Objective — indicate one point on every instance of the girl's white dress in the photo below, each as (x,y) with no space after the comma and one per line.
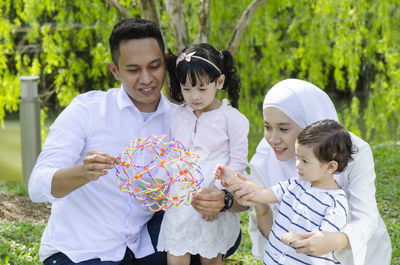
(218,136)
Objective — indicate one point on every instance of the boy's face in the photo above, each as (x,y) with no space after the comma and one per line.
(309,167)
(141,70)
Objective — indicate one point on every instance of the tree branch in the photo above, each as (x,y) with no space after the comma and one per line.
(178,22)
(148,9)
(203,31)
(241,26)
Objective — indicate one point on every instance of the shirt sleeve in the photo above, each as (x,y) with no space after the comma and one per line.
(238,129)
(281,188)
(62,149)
(360,175)
(336,215)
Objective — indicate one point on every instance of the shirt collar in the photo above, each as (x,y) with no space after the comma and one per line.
(124,101)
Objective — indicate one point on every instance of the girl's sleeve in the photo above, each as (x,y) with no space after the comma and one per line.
(360,176)
(238,129)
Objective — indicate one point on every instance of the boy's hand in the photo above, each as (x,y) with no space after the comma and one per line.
(226,175)
(290,238)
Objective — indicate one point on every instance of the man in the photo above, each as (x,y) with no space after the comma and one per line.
(92,221)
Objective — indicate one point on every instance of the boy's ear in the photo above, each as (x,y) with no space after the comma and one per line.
(332,166)
(113,69)
(220,81)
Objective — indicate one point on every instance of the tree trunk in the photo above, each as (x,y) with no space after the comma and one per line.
(122,10)
(178,23)
(241,26)
(203,31)
(148,9)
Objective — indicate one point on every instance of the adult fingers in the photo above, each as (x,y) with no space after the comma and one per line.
(96,164)
(99,157)
(241,176)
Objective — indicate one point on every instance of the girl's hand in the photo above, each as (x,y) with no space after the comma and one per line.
(318,243)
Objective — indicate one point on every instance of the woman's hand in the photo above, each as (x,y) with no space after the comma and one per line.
(243,190)
(209,202)
(318,243)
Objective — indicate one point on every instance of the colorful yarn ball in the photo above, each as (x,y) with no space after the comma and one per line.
(171,175)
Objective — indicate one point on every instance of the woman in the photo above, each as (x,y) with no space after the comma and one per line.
(288,108)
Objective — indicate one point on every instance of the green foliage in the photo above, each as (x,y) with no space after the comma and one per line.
(348,48)
(64,42)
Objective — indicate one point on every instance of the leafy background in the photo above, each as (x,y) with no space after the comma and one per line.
(349,48)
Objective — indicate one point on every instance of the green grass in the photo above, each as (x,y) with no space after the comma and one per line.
(10,153)
(19,242)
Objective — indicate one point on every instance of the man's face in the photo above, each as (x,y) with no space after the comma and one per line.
(141,70)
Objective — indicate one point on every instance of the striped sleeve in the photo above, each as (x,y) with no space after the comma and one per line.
(336,215)
(280,189)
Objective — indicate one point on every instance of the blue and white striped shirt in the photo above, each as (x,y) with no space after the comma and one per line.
(303,208)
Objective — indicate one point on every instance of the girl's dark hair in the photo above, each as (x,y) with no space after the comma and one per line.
(330,141)
(199,70)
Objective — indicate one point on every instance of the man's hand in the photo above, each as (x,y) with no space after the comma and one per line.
(96,163)
(209,202)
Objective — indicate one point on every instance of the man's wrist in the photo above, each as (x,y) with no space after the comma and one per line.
(228,201)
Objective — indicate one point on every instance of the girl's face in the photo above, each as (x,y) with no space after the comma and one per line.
(202,96)
(281,133)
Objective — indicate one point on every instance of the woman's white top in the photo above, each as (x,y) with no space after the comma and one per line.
(218,136)
(369,240)
(304,103)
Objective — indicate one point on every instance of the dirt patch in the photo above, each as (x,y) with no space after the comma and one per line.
(19,208)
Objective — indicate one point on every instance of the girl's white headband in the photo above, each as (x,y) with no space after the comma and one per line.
(188,57)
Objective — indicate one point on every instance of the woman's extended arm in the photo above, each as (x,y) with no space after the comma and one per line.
(264,218)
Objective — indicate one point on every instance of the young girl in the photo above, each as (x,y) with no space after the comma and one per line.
(215,131)
(312,202)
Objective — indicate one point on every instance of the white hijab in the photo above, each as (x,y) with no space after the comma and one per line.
(303,103)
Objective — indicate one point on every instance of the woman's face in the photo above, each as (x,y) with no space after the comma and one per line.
(280,132)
